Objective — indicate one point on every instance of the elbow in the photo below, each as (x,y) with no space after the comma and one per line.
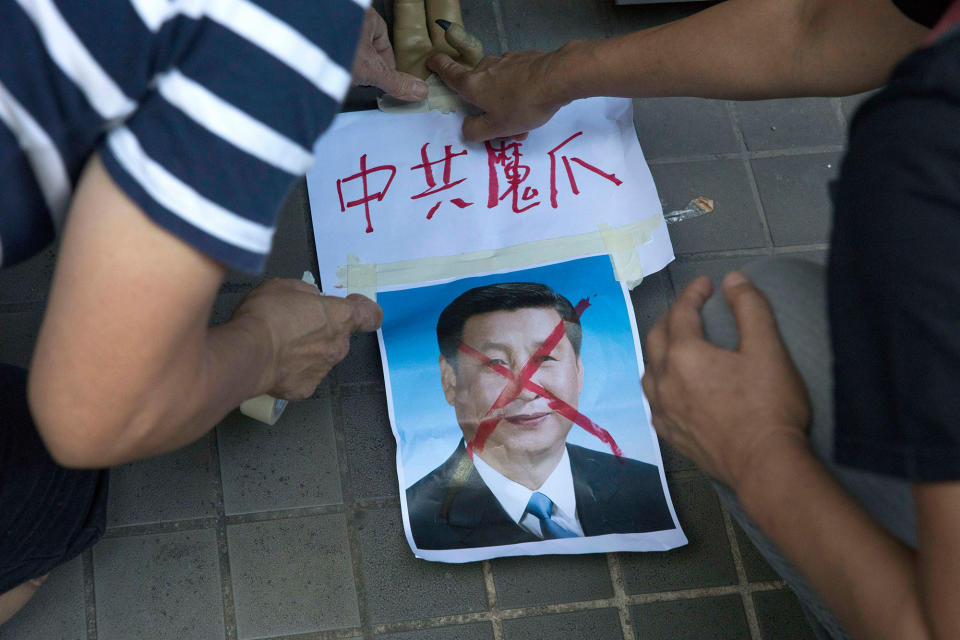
(78,434)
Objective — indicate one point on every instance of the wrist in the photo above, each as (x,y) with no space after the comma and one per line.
(568,71)
(783,448)
(249,339)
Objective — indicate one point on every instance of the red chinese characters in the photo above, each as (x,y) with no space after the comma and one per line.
(566,165)
(367,196)
(432,187)
(508,177)
(507,156)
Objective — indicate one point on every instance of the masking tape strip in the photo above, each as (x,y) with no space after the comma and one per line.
(619,242)
(264,408)
(622,250)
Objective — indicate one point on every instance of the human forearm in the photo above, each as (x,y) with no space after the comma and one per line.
(125,365)
(738,49)
(193,391)
(866,576)
(743,49)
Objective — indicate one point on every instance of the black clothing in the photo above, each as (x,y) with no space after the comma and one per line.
(926,13)
(48,514)
(452,508)
(894,274)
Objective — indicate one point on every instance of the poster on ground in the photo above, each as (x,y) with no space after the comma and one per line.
(511,358)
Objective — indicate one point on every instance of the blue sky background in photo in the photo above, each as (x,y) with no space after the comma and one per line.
(612,396)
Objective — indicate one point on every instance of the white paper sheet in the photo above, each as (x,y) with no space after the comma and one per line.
(582,169)
(388,189)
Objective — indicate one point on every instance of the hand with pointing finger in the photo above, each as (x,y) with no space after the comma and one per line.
(723,408)
(516,92)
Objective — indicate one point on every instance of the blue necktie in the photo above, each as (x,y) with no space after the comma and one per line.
(542,507)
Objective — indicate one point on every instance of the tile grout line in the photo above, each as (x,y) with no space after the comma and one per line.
(569,607)
(751,178)
(223,547)
(346,491)
(501,26)
(838,110)
(285,514)
(748,606)
(331,634)
(748,155)
(705,256)
(89,595)
(620,596)
(156,528)
(495,620)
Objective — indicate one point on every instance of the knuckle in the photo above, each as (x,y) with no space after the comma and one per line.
(685,356)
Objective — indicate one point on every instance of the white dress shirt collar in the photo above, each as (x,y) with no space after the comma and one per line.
(513,497)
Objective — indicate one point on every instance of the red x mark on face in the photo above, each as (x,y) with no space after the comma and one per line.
(517,383)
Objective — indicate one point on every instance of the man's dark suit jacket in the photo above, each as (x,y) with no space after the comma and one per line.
(452,508)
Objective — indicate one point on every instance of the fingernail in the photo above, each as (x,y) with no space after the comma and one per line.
(420,89)
(734,278)
(444,24)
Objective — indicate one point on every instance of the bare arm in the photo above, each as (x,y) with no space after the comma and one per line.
(738,49)
(125,365)
(876,586)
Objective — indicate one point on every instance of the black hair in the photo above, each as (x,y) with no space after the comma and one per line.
(507,296)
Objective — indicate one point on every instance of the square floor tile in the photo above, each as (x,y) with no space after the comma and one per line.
(734,222)
(536,580)
(789,123)
(476,631)
(292,253)
(290,464)
(650,300)
(719,618)
(18,335)
(754,564)
(596,624)
(676,127)
(525,22)
(56,611)
(780,616)
(480,20)
(400,587)
(794,193)
(370,446)
(174,486)
(292,576)
(158,587)
(623,18)
(705,562)
(672,459)
(362,364)
(683,272)
(28,281)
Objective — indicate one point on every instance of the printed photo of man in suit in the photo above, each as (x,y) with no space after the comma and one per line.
(514,380)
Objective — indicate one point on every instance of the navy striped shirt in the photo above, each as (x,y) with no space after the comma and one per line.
(203,111)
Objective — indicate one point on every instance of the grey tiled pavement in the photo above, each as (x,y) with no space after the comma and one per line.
(294,531)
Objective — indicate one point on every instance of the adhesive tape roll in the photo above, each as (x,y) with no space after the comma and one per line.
(266,409)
